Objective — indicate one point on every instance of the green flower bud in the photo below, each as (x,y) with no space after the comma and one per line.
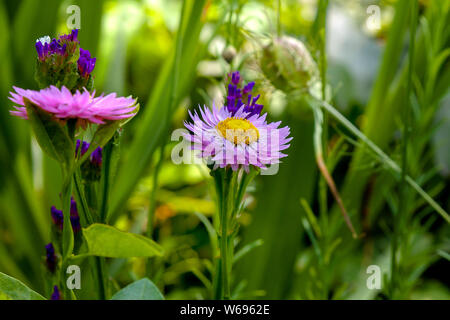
(288,65)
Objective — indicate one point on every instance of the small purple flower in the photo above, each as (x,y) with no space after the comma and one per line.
(86,63)
(51,258)
(96,157)
(84,147)
(56,294)
(46,47)
(73,36)
(58,217)
(74,217)
(238,97)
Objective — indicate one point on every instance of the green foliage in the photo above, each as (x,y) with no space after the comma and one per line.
(106,241)
(11,288)
(142,289)
(171,57)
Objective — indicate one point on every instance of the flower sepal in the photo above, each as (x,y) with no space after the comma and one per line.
(53,138)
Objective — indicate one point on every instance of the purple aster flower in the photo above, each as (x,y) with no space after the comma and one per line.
(86,64)
(51,259)
(83,106)
(237,96)
(237,138)
(56,294)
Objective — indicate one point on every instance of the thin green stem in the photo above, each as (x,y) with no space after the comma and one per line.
(99,266)
(105,181)
(400,218)
(279,19)
(224,218)
(152,205)
(86,217)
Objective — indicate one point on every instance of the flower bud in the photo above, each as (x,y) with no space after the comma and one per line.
(58,217)
(288,65)
(56,294)
(228,54)
(91,170)
(51,260)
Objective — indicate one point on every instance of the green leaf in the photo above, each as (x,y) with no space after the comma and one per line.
(142,289)
(51,136)
(107,241)
(11,288)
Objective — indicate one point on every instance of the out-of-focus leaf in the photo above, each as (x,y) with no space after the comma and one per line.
(142,289)
(275,219)
(156,115)
(14,289)
(107,241)
(91,22)
(33,20)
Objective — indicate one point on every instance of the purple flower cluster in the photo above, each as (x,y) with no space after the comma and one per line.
(238,96)
(51,259)
(96,156)
(58,217)
(63,46)
(46,47)
(86,63)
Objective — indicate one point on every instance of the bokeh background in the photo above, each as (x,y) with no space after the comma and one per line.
(300,246)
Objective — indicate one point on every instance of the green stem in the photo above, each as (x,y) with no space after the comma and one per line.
(86,217)
(224,217)
(152,206)
(106,168)
(100,268)
(279,19)
(401,215)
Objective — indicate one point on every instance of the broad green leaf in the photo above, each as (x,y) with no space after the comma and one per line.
(142,289)
(107,241)
(51,136)
(13,289)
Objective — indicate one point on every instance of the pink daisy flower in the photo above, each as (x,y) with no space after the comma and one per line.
(237,138)
(83,106)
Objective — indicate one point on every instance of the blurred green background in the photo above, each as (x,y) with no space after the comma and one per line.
(300,250)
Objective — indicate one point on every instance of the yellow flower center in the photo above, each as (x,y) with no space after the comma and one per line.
(238,130)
